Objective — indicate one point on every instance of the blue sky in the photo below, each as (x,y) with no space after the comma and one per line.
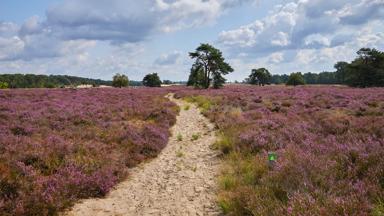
(98,38)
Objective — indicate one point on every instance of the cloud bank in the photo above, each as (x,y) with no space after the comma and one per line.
(99,38)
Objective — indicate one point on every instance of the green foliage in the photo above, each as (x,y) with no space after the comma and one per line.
(296,79)
(49,85)
(341,71)
(196,77)
(227,182)
(259,76)
(3,85)
(120,80)
(195,137)
(279,79)
(152,80)
(225,205)
(209,66)
(202,102)
(321,78)
(367,70)
(44,81)
(310,78)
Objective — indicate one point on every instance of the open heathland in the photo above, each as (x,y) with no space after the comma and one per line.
(58,146)
(329,143)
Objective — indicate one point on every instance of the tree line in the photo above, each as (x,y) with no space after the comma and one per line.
(45,81)
(58,81)
(367,70)
(51,81)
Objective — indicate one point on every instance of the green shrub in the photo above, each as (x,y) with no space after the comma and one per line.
(3,85)
(296,79)
(120,80)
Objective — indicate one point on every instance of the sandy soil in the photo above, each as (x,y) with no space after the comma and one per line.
(180,181)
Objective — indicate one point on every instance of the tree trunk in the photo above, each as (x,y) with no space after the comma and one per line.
(206,76)
(208,81)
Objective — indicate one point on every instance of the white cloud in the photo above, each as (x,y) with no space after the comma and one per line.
(280,39)
(169,58)
(303,24)
(10,47)
(362,12)
(317,40)
(244,36)
(276,57)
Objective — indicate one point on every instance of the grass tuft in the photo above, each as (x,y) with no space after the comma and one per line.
(187,107)
(179,137)
(195,137)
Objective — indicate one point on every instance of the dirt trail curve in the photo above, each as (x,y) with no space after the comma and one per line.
(180,181)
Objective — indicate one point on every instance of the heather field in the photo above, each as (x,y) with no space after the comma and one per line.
(328,141)
(58,146)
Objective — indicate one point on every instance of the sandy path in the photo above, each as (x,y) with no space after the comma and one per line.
(180,181)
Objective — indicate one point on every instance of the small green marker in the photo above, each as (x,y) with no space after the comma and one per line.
(272,156)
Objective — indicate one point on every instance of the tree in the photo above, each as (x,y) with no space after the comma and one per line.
(296,79)
(3,85)
(279,79)
(260,76)
(196,77)
(367,70)
(341,71)
(209,66)
(152,80)
(120,80)
(327,78)
(311,78)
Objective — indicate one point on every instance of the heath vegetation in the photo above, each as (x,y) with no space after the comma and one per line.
(58,146)
(328,141)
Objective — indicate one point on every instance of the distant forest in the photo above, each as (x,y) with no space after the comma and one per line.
(310,78)
(367,70)
(52,81)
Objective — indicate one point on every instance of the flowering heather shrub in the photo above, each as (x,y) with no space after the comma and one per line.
(329,142)
(58,146)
